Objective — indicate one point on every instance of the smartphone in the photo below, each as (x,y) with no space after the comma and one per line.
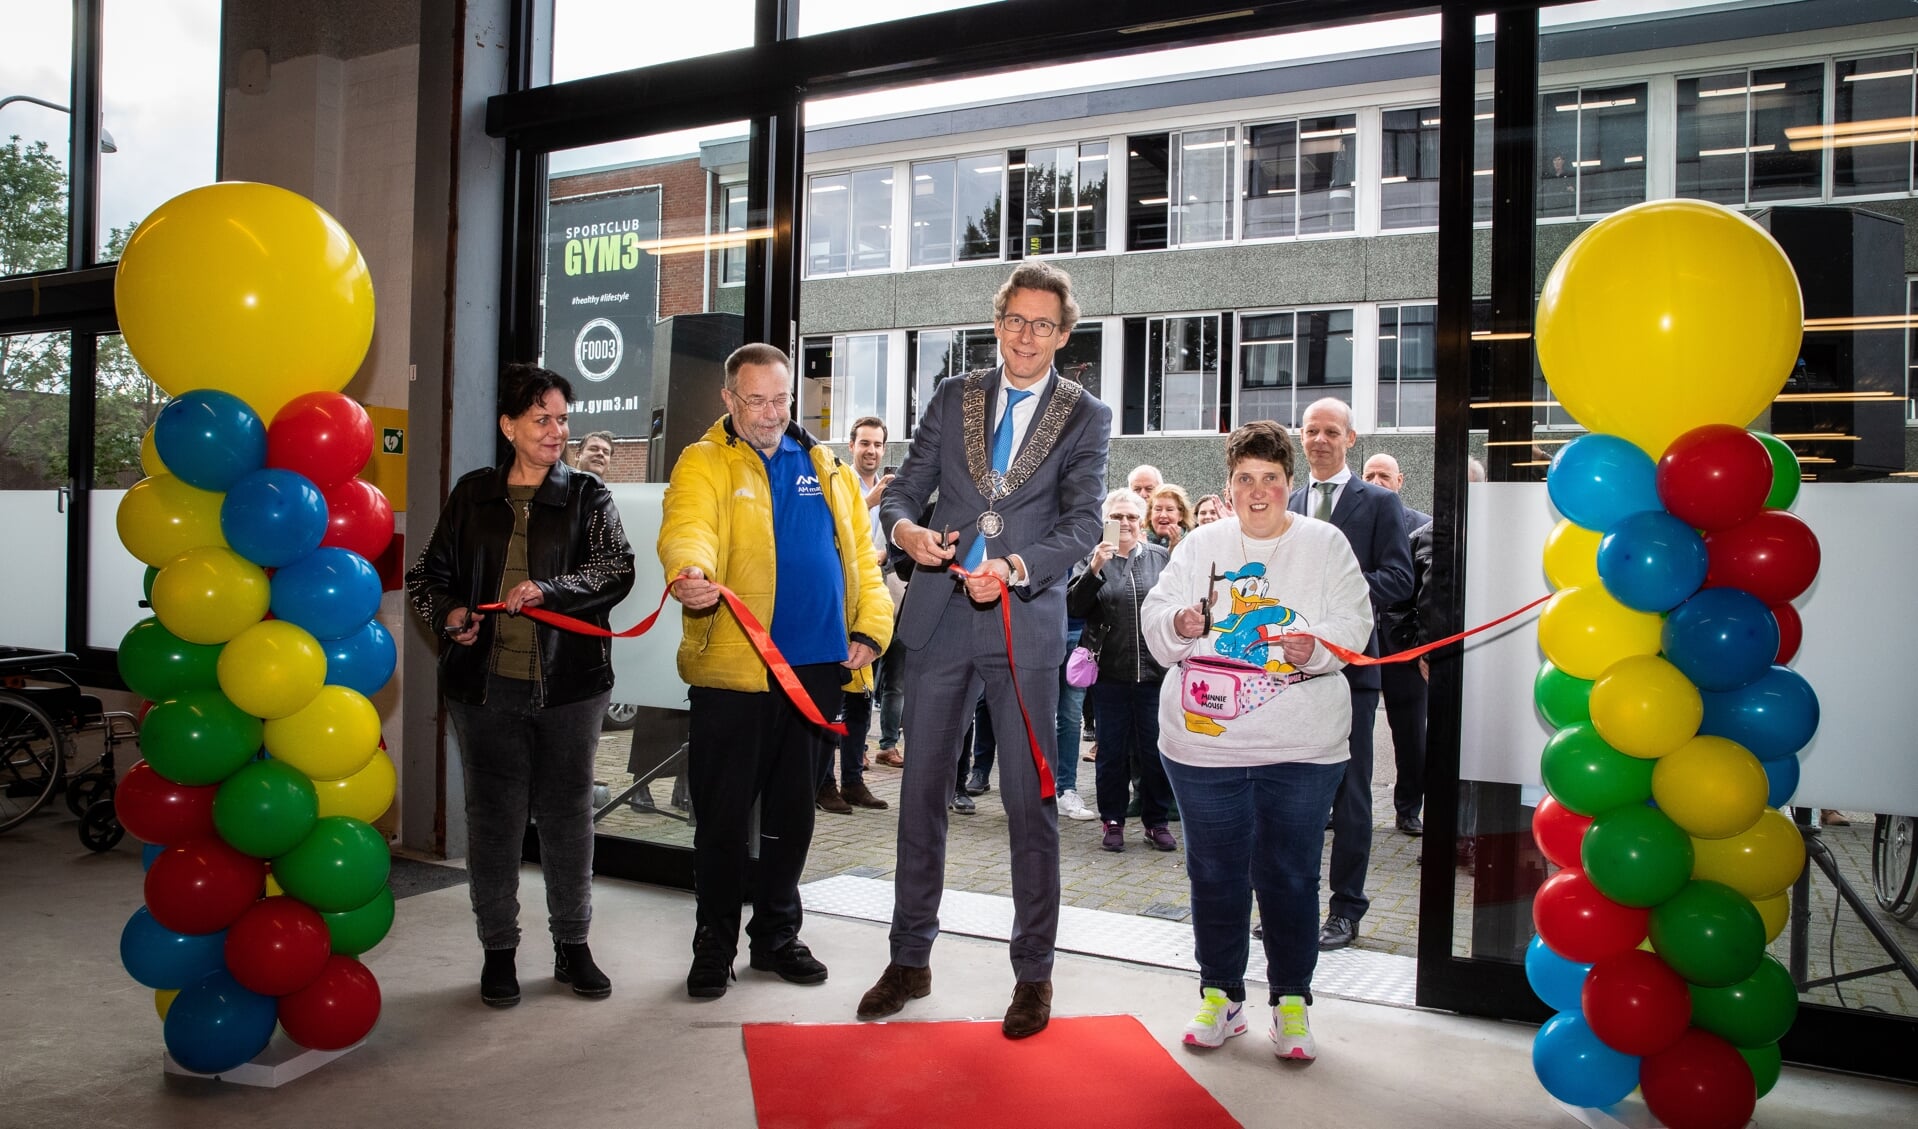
(1112,531)
(890,470)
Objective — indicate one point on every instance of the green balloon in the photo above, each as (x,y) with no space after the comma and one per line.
(199,737)
(1785,474)
(1588,776)
(340,865)
(1709,933)
(1755,1012)
(1765,1062)
(146,584)
(157,664)
(265,808)
(1562,699)
(356,930)
(1636,855)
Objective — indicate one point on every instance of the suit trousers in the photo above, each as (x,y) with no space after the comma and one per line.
(968,661)
(1404,692)
(1352,815)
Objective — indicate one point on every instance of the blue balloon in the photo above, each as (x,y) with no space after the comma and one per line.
(210,439)
(273,517)
(1597,480)
(1774,717)
(1721,639)
(362,661)
(215,1025)
(160,958)
(149,852)
(1782,773)
(1573,1065)
(1557,980)
(330,592)
(1651,561)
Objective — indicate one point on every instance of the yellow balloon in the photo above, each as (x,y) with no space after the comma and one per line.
(1711,787)
(332,738)
(272,669)
(1760,862)
(365,795)
(1645,707)
(150,455)
(162,517)
(1571,555)
(273,889)
(1584,631)
(1666,316)
(209,594)
(1776,911)
(246,288)
(163,999)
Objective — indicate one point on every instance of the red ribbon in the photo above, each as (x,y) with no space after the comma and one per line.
(1046,787)
(761,639)
(1269,634)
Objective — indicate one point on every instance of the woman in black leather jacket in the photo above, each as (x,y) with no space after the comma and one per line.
(526,700)
(1125,699)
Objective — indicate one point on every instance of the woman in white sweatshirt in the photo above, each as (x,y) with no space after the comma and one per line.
(1252,730)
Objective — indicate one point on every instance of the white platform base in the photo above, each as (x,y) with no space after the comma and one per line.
(1628,1114)
(281,1062)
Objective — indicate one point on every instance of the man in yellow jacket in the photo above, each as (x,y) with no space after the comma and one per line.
(758,506)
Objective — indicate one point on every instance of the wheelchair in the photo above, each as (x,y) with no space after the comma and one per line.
(44,715)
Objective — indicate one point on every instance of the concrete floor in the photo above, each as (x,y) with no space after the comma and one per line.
(80,1045)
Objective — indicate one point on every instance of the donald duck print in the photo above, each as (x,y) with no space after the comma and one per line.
(1246,673)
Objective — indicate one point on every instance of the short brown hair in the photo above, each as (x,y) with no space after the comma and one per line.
(867,421)
(1261,439)
(1179,498)
(1037,275)
(757,353)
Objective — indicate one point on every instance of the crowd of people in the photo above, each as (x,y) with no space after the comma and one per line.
(1194,630)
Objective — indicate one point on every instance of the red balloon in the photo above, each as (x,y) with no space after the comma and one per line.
(1774,556)
(1559,832)
(1581,924)
(1791,632)
(154,809)
(358,517)
(1701,1082)
(326,436)
(203,886)
(336,1010)
(278,946)
(1715,476)
(1633,1002)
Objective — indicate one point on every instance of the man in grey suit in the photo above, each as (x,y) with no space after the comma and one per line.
(1402,685)
(1370,519)
(1016,456)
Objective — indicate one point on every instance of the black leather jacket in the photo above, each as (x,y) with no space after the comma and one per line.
(576,552)
(1109,600)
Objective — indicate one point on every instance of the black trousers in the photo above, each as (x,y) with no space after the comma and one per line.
(1404,693)
(744,747)
(1352,815)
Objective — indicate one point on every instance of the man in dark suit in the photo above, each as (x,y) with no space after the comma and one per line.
(1401,684)
(1016,456)
(1370,519)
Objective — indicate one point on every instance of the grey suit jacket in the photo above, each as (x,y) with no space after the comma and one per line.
(1052,517)
(1368,515)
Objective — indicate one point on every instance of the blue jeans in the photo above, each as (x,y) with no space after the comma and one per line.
(984,745)
(889,686)
(1128,716)
(1072,700)
(1255,830)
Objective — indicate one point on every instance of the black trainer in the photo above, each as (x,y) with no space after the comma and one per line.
(712,967)
(499,983)
(792,962)
(573,964)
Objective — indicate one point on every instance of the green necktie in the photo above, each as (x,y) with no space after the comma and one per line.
(1324,511)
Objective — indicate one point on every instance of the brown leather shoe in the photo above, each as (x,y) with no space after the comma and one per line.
(830,800)
(1031,1009)
(891,758)
(896,985)
(860,796)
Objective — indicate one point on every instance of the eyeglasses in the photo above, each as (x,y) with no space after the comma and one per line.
(1123,517)
(1015,325)
(761,403)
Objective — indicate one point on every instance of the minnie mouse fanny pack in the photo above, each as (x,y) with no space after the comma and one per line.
(1223,689)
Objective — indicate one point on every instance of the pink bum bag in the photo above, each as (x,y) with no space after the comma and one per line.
(1222,689)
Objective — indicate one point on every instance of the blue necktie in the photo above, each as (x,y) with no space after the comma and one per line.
(1001,459)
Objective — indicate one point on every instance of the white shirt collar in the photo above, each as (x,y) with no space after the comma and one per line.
(1340,479)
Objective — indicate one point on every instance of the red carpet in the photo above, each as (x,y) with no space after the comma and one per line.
(969,1076)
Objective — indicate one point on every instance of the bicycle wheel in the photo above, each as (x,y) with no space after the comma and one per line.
(32,755)
(1894,864)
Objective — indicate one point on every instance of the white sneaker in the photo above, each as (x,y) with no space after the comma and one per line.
(1072,807)
(1218,1020)
(1291,1033)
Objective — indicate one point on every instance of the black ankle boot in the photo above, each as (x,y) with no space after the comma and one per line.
(573,964)
(712,967)
(499,984)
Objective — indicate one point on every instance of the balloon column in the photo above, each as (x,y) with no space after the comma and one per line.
(263,763)
(1664,330)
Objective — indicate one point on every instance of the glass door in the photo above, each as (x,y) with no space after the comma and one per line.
(36,376)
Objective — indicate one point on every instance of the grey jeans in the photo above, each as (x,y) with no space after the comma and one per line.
(520,761)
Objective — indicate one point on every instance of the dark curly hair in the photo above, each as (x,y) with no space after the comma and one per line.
(1260,439)
(522,384)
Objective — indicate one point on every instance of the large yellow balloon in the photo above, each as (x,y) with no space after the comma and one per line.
(1645,707)
(1775,911)
(163,999)
(1584,631)
(209,594)
(162,517)
(1571,555)
(272,669)
(1759,862)
(331,739)
(1711,787)
(246,288)
(1666,316)
(150,462)
(365,795)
